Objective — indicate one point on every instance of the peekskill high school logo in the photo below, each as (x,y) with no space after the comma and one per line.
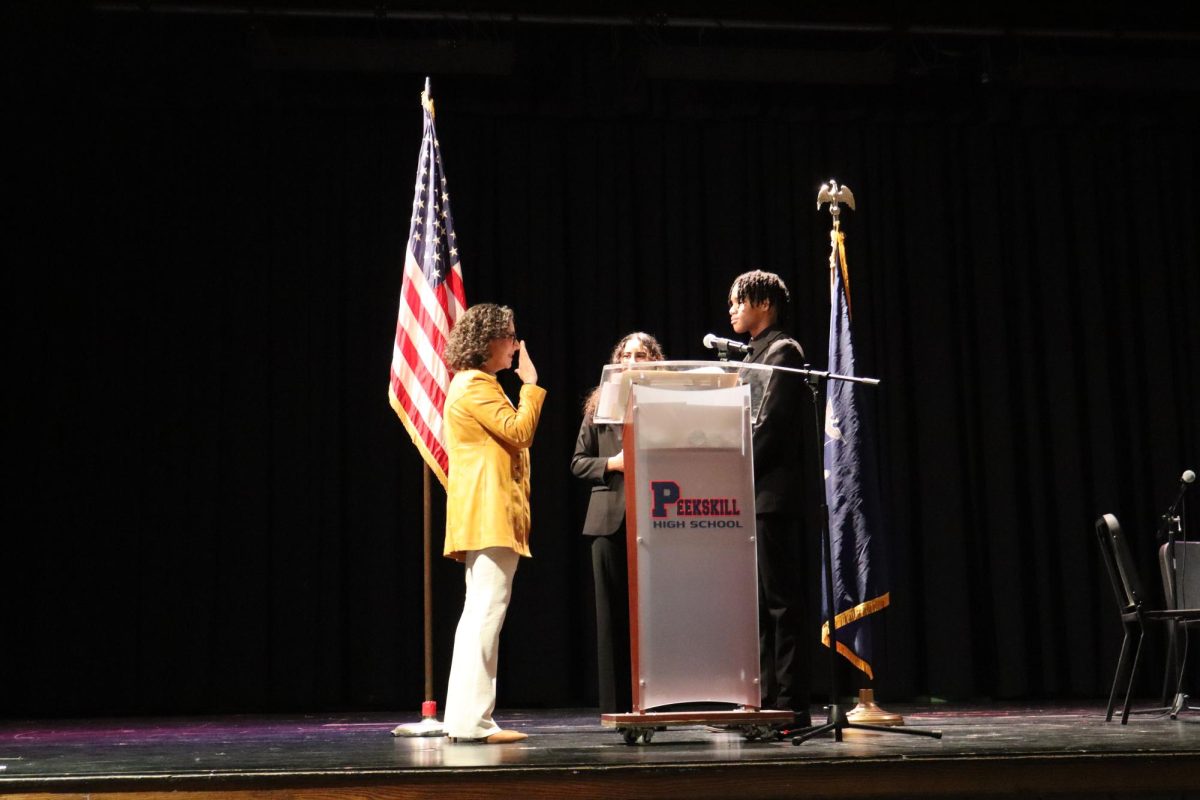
(670,507)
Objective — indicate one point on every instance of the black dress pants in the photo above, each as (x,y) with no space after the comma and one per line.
(611,577)
(785,651)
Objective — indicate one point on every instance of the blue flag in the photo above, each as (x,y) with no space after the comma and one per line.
(851,488)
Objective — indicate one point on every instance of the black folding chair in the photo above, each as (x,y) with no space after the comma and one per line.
(1134,614)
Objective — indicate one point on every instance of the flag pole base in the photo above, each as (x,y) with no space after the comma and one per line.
(867,711)
(428,726)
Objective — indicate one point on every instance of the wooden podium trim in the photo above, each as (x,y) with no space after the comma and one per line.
(631,551)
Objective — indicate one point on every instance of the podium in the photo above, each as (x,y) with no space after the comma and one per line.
(690,533)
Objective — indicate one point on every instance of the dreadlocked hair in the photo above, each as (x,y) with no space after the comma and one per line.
(758,286)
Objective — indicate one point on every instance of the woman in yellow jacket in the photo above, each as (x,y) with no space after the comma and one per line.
(487,505)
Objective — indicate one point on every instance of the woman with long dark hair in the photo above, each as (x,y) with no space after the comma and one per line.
(600,460)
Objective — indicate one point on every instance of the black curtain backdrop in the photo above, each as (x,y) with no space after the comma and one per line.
(210,505)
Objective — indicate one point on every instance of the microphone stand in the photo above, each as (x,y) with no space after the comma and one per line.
(837,720)
(1171,523)
(1170,518)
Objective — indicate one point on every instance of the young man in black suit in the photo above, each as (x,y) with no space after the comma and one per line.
(758,304)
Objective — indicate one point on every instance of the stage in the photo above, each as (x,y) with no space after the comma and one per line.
(985,750)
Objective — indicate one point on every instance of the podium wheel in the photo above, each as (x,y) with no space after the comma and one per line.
(757,733)
(637,735)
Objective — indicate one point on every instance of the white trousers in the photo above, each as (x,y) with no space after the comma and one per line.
(471,694)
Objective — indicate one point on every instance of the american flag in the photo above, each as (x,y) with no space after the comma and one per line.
(431,299)
(856,527)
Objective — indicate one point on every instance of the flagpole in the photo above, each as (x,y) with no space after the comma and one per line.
(429,724)
(429,721)
(867,710)
(429,706)
(838,720)
(432,263)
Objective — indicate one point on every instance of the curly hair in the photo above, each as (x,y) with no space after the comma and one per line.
(757,287)
(479,325)
(653,348)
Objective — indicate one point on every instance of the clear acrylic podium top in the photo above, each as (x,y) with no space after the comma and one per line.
(616,379)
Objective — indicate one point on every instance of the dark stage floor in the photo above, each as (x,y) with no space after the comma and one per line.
(995,751)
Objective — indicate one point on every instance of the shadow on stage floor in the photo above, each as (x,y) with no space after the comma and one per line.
(986,751)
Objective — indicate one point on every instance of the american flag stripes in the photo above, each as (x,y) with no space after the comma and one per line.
(431,299)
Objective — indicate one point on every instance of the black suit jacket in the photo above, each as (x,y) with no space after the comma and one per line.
(606,506)
(778,437)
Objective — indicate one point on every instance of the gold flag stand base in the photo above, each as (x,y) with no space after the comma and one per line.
(868,713)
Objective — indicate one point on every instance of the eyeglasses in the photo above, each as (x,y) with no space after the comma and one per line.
(512,337)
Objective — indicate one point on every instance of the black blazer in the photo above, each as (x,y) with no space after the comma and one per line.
(606,506)
(778,433)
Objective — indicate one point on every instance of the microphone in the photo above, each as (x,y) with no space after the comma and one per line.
(1185,480)
(711,341)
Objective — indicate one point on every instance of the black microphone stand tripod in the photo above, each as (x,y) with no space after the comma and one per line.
(837,720)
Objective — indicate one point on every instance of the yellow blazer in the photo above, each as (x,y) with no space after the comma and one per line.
(487,493)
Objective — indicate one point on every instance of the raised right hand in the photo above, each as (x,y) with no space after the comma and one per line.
(525,370)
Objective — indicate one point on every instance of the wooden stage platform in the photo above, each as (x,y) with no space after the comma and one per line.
(985,752)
